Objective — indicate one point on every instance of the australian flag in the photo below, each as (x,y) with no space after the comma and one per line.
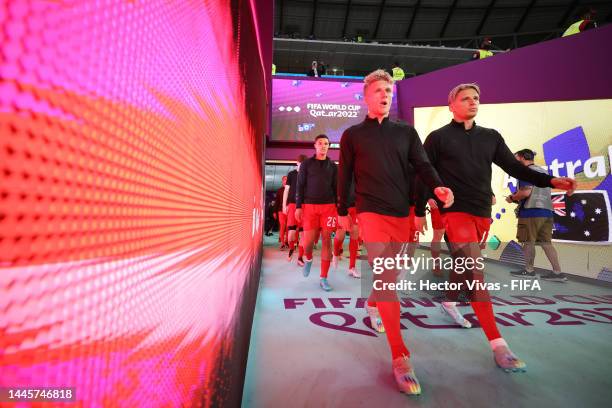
(584,216)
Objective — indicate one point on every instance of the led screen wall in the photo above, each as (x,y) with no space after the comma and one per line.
(130,198)
(303,109)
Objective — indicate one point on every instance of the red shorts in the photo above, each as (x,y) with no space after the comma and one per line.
(291,221)
(384,237)
(436,219)
(384,228)
(464,228)
(315,216)
(414,235)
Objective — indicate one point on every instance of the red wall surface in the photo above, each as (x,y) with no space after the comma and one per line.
(130,197)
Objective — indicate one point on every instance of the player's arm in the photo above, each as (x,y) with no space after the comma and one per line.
(345,173)
(285,196)
(302,179)
(334,182)
(420,161)
(345,177)
(427,173)
(506,160)
(301,184)
(420,186)
(420,197)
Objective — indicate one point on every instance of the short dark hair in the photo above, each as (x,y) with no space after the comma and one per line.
(321,136)
(526,154)
(301,158)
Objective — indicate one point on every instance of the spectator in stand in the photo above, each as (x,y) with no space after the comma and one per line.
(397,72)
(484,51)
(314,70)
(585,22)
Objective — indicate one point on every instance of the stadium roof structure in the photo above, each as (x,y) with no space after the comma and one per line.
(422,35)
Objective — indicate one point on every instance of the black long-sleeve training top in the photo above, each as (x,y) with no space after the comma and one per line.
(463,160)
(418,196)
(316,182)
(350,201)
(382,157)
(292,183)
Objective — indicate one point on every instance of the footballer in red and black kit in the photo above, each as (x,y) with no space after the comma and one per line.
(463,153)
(316,205)
(293,225)
(380,155)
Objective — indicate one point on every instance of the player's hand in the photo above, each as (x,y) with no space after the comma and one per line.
(509,199)
(344,222)
(274,215)
(445,195)
(493,200)
(564,183)
(420,224)
(433,204)
(298,214)
(285,209)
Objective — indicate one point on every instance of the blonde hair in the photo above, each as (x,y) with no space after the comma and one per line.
(453,93)
(378,75)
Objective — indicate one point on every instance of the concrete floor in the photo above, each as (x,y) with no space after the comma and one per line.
(318,352)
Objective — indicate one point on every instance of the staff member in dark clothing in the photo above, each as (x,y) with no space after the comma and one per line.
(289,204)
(314,70)
(270,218)
(463,153)
(380,155)
(316,205)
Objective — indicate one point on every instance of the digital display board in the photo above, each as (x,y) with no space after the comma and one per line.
(304,108)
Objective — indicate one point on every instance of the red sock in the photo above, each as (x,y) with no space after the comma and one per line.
(353,247)
(484,312)
(291,245)
(325,268)
(301,251)
(337,247)
(308,253)
(390,315)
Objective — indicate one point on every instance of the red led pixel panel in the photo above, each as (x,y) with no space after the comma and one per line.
(130,196)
